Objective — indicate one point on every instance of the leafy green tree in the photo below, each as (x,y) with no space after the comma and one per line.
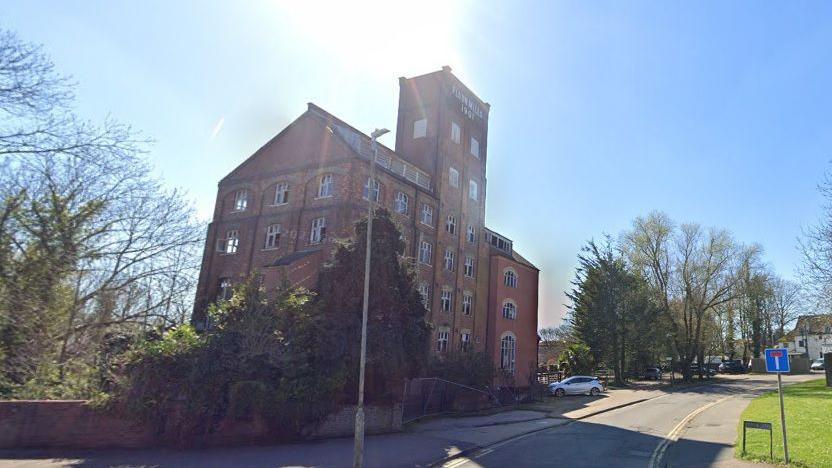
(612,311)
(288,356)
(397,331)
(90,242)
(467,368)
(577,360)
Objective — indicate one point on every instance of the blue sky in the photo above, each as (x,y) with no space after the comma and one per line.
(714,112)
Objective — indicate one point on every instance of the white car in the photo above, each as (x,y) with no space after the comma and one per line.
(577,384)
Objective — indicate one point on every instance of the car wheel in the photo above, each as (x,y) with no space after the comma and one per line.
(593,391)
(560,392)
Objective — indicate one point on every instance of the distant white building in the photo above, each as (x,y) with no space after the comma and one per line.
(812,336)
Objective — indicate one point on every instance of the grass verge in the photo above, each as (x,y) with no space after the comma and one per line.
(808,426)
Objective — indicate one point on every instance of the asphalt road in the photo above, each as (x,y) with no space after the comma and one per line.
(692,428)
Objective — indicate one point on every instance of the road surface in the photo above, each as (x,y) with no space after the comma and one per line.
(692,428)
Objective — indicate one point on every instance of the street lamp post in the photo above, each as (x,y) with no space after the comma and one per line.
(358,451)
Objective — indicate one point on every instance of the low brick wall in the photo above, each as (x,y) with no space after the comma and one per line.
(67,424)
(75,425)
(377,420)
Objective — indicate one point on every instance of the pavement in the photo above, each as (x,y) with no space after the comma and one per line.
(624,427)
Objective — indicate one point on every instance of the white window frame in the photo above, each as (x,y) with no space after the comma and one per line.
(450,224)
(425,252)
(225,290)
(453,177)
(471,234)
(508,353)
(241,200)
(469,266)
(424,290)
(475,147)
(442,338)
(420,128)
(446,300)
(510,278)
(325,186)
(281,194)
(467,303)
(450,258)
(427,215)
(456,132)
(473,190)
(229,244)
(376,189)
(317,233)
(510,309)
(465,340)
(272,237)
(401,203)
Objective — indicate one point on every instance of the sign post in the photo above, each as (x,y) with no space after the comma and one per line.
(759,425)
(777,361)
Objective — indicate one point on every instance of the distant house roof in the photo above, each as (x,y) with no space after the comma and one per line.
(811,325)
(293,257)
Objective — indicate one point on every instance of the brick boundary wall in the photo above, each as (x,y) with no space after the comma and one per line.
(72,424)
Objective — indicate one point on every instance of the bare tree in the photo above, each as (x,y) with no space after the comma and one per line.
(816,247)
(90,241)
(692,271)
(786,301)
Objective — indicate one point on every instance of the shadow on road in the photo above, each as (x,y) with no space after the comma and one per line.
(585,444)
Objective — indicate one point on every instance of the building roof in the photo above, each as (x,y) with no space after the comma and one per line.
(361,143)
(522,260)
(509,251)
(293,257)
(810,325)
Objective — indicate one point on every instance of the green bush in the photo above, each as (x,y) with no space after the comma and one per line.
(469,368)
(289,357)
(247,398)
(577,360)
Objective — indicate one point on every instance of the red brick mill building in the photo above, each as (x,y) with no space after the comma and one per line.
(280,211)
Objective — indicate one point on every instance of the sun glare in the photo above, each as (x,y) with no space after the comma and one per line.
(389,38)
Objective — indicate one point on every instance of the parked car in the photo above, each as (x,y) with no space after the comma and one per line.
(651,373)
(817,364)
(707,372)
(732,367)
(575,385)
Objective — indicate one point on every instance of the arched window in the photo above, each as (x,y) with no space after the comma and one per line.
(509,309)
(508,353)
(401,203)
(510,278)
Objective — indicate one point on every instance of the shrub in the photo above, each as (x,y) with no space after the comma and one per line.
(577,360)
(246,398)
(475,369)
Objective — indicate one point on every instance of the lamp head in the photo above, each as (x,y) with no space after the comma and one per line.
(379,132)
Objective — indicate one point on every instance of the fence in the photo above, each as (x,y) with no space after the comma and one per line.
(427,396)
(547,377)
